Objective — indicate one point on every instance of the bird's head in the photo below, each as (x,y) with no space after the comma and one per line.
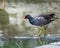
(27,16)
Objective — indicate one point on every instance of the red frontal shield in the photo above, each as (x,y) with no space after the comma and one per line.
(24,17)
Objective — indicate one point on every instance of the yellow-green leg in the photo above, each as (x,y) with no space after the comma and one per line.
(42,31)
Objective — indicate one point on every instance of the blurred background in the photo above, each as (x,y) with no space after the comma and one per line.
(14,11)
(12,22)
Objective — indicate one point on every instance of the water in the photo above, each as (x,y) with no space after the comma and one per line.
(23,43)
(1,43)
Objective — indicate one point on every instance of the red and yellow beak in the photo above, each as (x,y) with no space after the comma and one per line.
(24,18)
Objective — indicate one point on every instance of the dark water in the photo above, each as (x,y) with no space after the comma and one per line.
(25,43)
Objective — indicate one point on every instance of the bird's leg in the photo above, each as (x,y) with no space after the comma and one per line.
(42,31)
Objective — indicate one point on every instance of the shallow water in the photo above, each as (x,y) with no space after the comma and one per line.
(23,43)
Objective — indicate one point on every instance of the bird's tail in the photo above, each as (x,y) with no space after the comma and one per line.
(52,15)
(52,19)
(49,16)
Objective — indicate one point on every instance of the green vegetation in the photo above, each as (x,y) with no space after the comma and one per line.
(4,18)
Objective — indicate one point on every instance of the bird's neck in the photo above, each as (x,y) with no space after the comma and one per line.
(30,17)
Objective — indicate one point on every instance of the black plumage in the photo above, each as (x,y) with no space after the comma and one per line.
(41,20)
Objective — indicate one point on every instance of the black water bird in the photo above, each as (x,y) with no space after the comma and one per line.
(41,20)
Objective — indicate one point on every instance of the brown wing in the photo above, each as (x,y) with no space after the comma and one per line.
(47,16)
